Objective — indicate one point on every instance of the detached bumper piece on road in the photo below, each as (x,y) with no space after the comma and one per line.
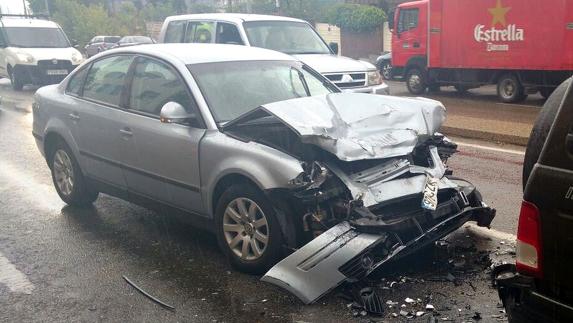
(353,249)
(525,302)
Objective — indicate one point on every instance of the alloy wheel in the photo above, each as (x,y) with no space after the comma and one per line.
(246,229)
(63,172)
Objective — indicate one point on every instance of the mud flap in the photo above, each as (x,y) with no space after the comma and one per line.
(313,270)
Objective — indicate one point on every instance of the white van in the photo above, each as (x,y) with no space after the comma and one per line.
(288,35)
(35,51)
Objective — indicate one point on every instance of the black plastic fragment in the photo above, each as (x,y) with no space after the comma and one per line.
(164,305)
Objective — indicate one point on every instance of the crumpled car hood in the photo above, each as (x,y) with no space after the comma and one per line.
(355,126)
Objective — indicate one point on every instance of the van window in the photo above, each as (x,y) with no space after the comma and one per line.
(36,37)
(106,79)
(228,34)
(175,31)
(200,32)
(408,19)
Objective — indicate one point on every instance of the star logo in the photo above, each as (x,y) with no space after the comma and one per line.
(498,14)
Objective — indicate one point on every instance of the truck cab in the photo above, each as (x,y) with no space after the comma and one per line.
(409,35)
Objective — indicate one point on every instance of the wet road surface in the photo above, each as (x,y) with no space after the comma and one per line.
(61,264)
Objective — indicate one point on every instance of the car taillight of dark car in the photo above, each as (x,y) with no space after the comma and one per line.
(528,247)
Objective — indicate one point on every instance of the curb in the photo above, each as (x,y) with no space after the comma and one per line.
(490,136)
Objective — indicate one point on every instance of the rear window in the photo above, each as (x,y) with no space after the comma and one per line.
(113,39)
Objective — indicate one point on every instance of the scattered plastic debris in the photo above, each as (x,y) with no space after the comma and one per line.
(409,300)
(429,307)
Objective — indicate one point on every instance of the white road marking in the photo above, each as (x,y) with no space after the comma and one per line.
(14,279)
(500,150)
(519,105)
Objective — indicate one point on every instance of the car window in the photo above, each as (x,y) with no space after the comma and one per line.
(175,31)
(106,79)
(97,40)
(76,81)
(111,39)
(408,19)
(234,88)
(155,84)
(228,34)
(200,32)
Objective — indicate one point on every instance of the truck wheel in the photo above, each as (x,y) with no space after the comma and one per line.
(68,179)
(386,71)
(247,229)
(416,81)
(16,80)
(509,89)
(541,129)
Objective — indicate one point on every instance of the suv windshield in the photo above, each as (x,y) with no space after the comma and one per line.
(285,36)
(34,37)
(234,88)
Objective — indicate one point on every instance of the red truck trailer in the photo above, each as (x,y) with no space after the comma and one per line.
(523,46)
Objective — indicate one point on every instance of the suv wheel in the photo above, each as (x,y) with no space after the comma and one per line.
(16,80)
(541,129)
(247,229)
(416,81)
(386,70)
(509,89)
(68,178)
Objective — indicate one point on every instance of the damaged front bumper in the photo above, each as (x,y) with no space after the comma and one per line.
(351,250)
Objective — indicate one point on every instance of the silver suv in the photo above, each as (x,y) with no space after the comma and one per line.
(261,149)
(288,35)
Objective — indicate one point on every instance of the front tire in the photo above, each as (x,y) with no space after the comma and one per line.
(386,71)
(68,179)
(16,80)
(416,81)
(247,229)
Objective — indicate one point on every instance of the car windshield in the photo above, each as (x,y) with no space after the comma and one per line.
(234,88)
(285,36)
(34,37)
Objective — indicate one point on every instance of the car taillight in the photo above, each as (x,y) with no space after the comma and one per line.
(529,241)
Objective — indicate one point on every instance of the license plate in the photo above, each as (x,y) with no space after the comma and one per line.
(430,199)
(57,72)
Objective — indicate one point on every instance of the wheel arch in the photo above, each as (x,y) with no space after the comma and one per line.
(416,61)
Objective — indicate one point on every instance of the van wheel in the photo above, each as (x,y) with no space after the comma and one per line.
(68,179)
(541,129)
(16,80)
(247,229)
(510,89)
(416,81)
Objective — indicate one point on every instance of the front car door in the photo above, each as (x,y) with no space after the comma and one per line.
(200,32)
(101,121)
(162,159)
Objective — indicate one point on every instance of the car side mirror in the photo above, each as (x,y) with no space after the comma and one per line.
(173,112)
(334,47)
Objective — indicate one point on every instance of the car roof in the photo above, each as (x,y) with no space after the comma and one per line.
(206,53)
(24,22)
(233,17)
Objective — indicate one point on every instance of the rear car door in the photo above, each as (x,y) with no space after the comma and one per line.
(101,120)
(162,159)
(550,188)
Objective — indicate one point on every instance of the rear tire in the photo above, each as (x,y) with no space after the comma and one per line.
(510,89)
(68,179)
(16,80)
(541,129)
(416,81)
(252,240)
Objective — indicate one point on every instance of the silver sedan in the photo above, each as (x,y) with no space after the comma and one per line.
(261,149)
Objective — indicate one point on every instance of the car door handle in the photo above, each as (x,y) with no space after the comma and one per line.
(126,132)
(74,116)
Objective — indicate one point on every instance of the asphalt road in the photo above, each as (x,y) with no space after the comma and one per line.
(61,264)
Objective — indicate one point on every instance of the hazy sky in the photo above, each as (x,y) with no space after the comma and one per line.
(12,6)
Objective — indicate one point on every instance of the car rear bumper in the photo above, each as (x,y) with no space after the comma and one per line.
(378,89)
(524,303)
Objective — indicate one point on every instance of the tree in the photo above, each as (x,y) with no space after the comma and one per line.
(355,17)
